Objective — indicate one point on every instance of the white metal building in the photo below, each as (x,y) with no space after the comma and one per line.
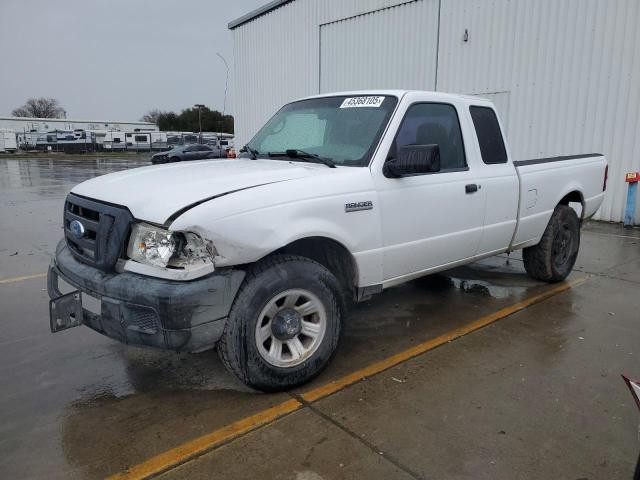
(565,75)
(42,125)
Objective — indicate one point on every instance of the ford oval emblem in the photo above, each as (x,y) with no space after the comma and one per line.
(77,229)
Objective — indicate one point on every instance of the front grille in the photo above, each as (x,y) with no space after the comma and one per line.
(100,237)
(84,246)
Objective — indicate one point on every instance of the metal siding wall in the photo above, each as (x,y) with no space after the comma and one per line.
(383,51)
(275,61)
(334,10)
(568,71)
(276,57)
(572,70)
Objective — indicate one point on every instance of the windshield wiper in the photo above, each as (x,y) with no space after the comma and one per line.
(302,155)
(252,151)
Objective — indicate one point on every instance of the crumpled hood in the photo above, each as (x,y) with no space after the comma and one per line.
(157,192)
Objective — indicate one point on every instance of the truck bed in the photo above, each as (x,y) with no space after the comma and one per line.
(545,182)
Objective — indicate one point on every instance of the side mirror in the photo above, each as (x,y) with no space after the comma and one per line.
(413,160)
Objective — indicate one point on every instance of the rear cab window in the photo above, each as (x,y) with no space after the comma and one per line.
(490,139)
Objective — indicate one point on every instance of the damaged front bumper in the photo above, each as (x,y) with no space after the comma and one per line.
(141,310)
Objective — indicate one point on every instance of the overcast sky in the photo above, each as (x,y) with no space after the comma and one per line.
(117,59)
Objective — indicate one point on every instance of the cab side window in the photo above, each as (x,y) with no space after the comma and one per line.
(489,135)
(433,123)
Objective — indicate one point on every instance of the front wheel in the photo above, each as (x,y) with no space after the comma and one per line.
(553,258)
(284,325)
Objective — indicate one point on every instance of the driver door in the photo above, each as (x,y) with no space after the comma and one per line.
(433,220)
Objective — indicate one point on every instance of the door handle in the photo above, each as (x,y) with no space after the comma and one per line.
(471,188)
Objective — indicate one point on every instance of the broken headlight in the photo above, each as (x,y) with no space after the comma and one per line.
(162,248)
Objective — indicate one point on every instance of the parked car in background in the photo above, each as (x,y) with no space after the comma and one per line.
(187,152)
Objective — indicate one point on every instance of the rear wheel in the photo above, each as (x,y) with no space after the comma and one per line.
(553,258)
(284,325)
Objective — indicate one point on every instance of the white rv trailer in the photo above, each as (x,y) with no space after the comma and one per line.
(114,141)
(27,140)
(223,141)
(70,141)
(182,138)
(8,142)
(146,140)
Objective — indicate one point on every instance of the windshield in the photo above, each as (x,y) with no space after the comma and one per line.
(344,129)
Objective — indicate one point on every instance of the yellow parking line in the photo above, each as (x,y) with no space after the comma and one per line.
(187,451)
(20,279)
(193,448)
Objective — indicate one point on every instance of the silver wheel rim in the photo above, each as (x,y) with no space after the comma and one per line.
(292,351)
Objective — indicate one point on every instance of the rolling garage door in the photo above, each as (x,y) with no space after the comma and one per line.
(381,49)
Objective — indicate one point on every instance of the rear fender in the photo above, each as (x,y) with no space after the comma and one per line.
(569,191)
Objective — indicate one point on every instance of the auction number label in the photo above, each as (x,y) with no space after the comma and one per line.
(362,102)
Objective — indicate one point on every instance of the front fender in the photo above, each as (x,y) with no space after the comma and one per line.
(250,235)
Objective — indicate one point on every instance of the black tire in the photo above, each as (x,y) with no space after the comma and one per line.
(174,159)
(553,258)
(238,348)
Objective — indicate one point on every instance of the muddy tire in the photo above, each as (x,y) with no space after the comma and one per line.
(284,325)
(553,258)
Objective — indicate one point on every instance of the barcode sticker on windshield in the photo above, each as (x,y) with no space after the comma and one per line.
(362,102)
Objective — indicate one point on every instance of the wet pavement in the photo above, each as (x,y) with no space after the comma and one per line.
(535,395)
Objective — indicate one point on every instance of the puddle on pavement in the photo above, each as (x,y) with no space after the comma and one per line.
(482,288)
(142,371)
(47,174)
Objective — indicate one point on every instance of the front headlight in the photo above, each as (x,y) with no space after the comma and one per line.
(151,245)
(156,246)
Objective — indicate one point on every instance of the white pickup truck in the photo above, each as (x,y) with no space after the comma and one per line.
(336,198)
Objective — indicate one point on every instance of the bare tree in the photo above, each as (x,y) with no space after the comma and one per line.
(40,108)
(152,116)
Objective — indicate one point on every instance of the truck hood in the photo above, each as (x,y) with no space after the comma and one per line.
(159,193)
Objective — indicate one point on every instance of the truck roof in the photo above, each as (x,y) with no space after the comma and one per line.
(399,94)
